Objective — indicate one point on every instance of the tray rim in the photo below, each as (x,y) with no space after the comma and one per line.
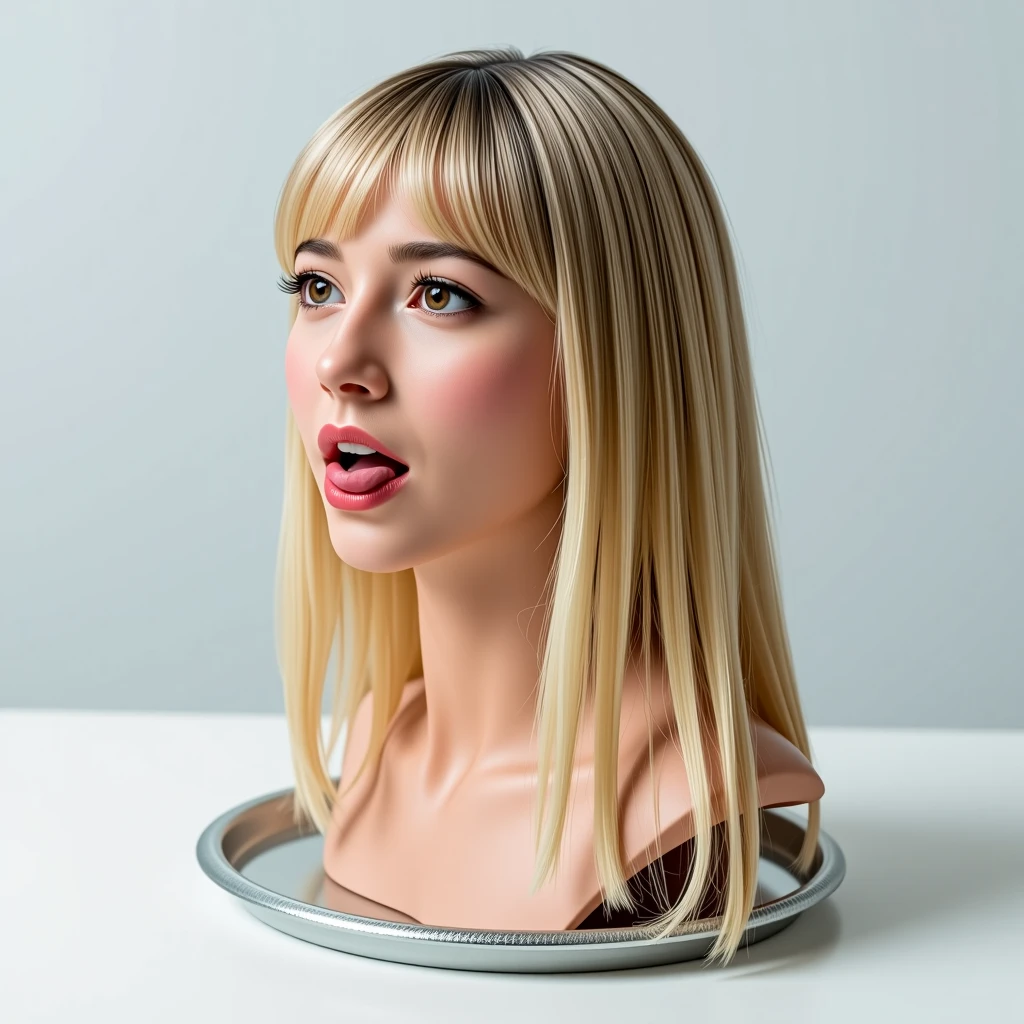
(765,918)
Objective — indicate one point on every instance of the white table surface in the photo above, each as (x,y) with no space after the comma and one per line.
(106,915)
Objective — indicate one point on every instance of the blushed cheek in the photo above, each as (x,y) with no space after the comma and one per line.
(487,396)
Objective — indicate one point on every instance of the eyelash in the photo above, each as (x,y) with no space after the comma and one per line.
(296,284)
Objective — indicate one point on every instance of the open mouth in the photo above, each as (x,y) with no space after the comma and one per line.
(357,473)
(357,464)
(353,462)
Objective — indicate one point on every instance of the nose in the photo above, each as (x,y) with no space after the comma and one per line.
(351,362)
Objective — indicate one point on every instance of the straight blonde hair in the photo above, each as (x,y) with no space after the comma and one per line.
(574,183)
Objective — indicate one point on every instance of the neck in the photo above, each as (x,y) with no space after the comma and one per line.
(480,623)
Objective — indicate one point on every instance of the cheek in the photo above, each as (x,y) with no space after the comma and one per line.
(493,413)
(489,395)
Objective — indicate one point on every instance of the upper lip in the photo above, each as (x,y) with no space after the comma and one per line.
(330,436)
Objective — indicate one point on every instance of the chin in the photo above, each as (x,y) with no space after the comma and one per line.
(368,563)
(364,554)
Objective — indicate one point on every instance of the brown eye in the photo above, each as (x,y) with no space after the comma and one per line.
(437,298)
(319,291)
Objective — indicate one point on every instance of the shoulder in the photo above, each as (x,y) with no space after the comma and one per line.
(784,774)
(784,777)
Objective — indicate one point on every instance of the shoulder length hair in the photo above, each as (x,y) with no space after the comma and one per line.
(580,188)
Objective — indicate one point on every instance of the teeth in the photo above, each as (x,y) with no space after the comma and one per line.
(358,449)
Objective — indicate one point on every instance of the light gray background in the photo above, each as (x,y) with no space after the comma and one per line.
(870,159)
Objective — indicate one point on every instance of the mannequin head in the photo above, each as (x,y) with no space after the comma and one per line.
(617,347)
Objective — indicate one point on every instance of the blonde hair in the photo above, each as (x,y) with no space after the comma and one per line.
(574,183)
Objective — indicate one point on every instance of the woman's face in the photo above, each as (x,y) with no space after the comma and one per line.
(454,377)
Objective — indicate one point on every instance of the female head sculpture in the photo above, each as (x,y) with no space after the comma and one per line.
(601,391)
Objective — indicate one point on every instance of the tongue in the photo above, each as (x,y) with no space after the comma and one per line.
(368,472)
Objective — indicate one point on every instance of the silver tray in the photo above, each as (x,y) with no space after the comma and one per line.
(256,853)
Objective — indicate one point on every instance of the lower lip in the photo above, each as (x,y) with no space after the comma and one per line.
(351,502)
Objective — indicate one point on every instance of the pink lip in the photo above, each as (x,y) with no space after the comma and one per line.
(330,435)
(327,441)
(352,502)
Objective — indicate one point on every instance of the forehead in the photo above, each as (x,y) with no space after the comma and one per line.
(393,218)
(393,230)
(392,215)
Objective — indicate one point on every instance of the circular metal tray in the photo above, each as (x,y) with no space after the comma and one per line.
(257,854)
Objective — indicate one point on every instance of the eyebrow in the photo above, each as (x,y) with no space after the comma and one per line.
(402,252)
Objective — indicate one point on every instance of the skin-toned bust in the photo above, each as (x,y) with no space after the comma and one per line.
(524,512)
(455,376)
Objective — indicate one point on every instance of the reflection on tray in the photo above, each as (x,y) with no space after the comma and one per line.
(294,869)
